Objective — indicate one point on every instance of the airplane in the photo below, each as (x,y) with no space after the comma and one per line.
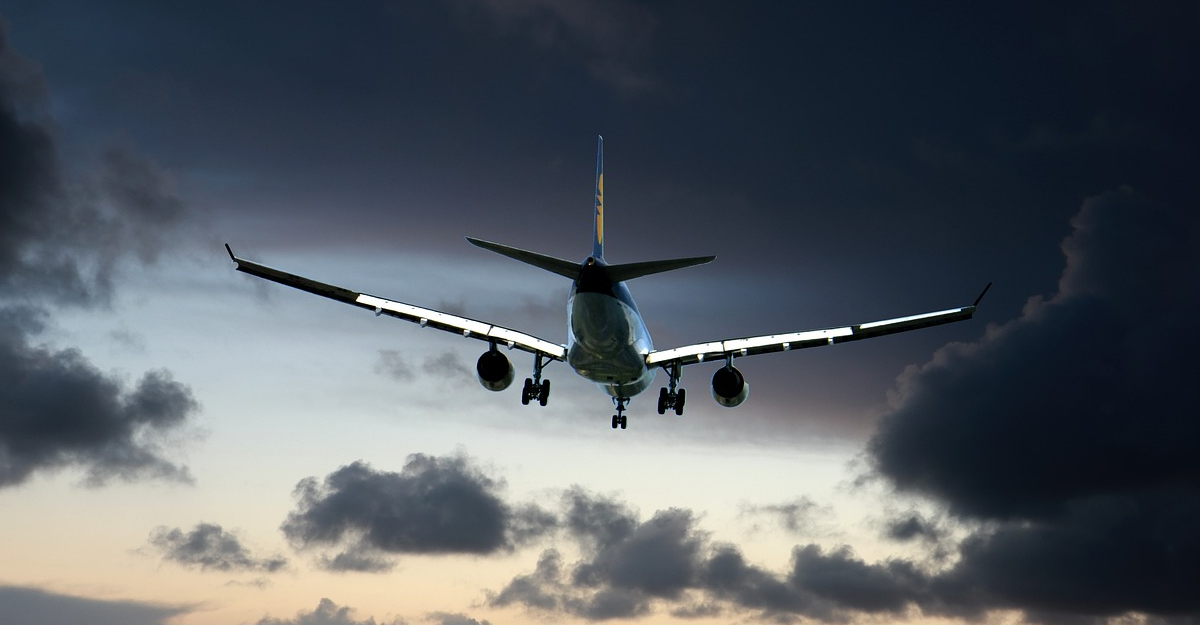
(607,340)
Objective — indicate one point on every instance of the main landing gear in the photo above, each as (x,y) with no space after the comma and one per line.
(670,396)
(619,419)
(536,387)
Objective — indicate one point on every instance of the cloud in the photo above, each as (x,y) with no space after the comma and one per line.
(29,605)
(62,244)
(392,364)
(801,516)
(447,365)
(1061,445)
(630,565)
(327,613)
(1070,430)
(58,410)
(209,547)
(446,618)
(433,506)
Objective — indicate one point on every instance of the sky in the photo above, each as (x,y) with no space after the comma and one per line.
(182,444)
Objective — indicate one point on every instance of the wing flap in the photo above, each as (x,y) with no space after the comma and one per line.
(425,317)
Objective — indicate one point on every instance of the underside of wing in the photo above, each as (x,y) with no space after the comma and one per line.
(749,346)
(425,317)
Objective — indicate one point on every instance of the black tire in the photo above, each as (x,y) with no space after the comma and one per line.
(527,392)
(662,400)
(544,392)
(615,421)
(624,420)
(680,398)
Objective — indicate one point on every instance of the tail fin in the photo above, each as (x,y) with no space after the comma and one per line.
(598,237)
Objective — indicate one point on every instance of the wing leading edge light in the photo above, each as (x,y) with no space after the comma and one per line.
(607,340)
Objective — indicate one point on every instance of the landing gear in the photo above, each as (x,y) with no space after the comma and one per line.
(619,419)
(671,396)
(536,387)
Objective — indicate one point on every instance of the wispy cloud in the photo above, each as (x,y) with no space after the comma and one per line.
(210,547)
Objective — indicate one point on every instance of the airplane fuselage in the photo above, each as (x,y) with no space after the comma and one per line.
(607,340)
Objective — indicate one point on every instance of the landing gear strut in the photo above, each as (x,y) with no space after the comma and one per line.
(536,387)
(671,396)
(619,419)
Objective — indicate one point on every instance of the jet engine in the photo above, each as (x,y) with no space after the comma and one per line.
(729,387)
(494,371)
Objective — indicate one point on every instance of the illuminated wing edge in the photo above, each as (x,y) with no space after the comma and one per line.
(769,343)
(425,317)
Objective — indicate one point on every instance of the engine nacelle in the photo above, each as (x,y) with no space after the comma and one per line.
(494,371)
(729,387)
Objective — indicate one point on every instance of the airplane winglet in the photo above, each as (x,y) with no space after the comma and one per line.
(980,298)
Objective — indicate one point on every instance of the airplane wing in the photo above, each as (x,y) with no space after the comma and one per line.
(425,317)
(749,346)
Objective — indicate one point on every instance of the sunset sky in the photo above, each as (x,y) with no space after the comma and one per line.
(183,444)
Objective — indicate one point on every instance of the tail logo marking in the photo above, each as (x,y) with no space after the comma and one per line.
(600,209)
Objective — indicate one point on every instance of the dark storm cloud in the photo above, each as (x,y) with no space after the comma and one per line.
(913,526)
(433,506)
(210,547)
(62,243)
(26,605)
(327,613)
(1072,429)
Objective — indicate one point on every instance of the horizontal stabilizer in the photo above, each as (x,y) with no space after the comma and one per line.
(629,271)
(565,268)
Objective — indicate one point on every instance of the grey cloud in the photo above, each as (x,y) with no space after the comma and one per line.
(30,605)
(61,243)
(597,521)
(914,526)
(326,613)
(447,618)
(210,547)
(543,589)
(392,364)
(1071,430)
(58,410)
(631,565)
(658,558)
(433,506)
(448,365)
(799,516)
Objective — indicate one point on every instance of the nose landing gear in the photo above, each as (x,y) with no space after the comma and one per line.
(619,419)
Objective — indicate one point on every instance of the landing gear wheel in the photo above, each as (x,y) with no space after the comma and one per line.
(663,401)
(680,398)
(543,393)
(616,421)
(527,393)
(623,421)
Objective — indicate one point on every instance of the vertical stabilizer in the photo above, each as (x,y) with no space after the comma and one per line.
(598,236)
